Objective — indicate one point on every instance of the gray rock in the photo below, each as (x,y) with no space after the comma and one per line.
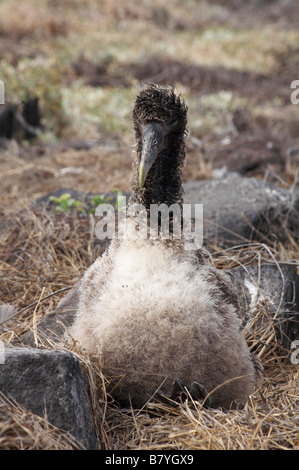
(238,210)
(6,311)
(52,384)
(269,295)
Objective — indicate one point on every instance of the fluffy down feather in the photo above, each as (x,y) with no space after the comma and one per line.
(153,314)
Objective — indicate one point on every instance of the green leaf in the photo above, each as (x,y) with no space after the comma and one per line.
(100,199)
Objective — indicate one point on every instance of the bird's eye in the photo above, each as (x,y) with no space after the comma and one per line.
(172,122)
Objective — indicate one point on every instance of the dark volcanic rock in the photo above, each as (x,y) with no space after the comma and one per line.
(52,383)
(274,290)
(239,210)
(7,121)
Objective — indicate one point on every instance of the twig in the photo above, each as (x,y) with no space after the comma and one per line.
(34,303)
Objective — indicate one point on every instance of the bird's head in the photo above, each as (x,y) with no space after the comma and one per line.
(160,119)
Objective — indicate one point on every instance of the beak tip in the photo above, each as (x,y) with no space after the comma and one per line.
(141,176)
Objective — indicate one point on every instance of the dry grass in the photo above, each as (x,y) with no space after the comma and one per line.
(27,175)
(268,421)
(41,252)
(22,430)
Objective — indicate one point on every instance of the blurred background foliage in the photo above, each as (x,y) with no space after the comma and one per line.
(84,60)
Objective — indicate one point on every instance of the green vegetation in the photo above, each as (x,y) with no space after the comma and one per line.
(44,42)
(65,203)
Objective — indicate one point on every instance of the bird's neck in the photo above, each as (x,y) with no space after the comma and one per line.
(163,184)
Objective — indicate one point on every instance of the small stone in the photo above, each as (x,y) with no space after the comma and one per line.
(6,312)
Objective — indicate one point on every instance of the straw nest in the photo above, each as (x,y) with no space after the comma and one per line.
(42,255)
(22,430)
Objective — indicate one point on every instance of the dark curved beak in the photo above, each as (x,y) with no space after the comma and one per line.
(152,143)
